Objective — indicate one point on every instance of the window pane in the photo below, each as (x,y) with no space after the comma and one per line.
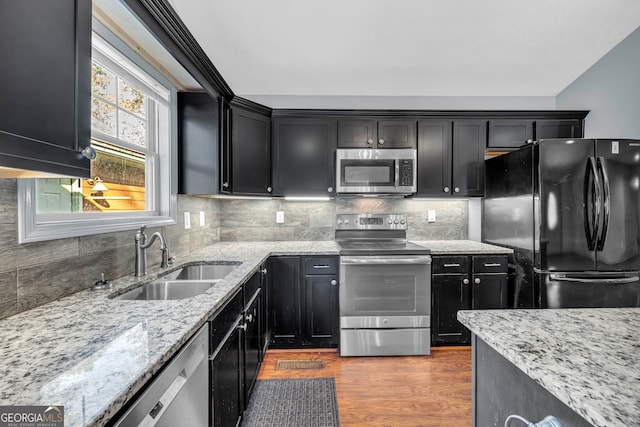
(103,117)
(132,129)
(131,98)
(103,82)
(55,195)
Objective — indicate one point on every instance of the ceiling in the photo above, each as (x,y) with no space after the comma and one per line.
(405,48)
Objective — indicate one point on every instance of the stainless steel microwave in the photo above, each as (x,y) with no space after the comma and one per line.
(369,171)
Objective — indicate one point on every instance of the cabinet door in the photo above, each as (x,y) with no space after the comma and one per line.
(509,133)
(489,291)
(226,382)
(252,349)
(321,311)
(284,298)
(568,128)
(434,157)
(304,156)
(45,86)
(449,293)
(469,142)
(198,129)
(396,134)
(356,133)
(250,153)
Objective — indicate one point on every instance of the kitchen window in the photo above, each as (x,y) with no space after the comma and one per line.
(132,126)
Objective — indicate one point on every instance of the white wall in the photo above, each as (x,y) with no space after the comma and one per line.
(611,90)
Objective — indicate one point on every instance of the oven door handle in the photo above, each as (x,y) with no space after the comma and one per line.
(384,260)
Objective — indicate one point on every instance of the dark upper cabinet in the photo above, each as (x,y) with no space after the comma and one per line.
(198,131)
(248,155)
(389,133)
(509,133)
(451,157)
(304,156)
(567,128)
(45,86)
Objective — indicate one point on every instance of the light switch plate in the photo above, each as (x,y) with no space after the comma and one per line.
(431,215)
(201,218)
(280,217)
(187,220)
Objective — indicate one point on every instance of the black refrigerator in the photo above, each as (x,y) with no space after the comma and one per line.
(570,210)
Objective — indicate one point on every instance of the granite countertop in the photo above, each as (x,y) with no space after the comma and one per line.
(588,358)
(92,354)
(456,247)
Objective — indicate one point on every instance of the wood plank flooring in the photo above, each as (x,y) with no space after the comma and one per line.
(390,391)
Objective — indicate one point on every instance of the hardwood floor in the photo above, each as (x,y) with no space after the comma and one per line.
(391,391)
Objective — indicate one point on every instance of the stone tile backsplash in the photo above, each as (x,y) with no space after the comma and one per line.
(36,273)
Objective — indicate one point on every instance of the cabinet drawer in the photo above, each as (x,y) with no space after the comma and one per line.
(321,265)
(490,264)
(251,286)
(449,264)
(224,319)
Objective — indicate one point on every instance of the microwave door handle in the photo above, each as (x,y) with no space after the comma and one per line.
(397,173)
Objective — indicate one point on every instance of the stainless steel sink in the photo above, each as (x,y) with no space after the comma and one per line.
(186,282)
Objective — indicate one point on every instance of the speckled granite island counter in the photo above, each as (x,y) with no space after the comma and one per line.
(587,359)
(92,353)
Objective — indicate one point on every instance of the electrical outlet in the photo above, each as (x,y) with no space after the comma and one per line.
(431,215)
(201,218)
(280,217)
(187,220)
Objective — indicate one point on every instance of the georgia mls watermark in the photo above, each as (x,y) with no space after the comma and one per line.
(31,416)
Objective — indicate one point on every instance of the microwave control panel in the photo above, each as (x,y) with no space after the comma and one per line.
(406,172)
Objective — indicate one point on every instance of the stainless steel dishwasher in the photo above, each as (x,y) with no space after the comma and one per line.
(179,396)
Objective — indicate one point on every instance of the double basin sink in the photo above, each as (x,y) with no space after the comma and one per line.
(185,282)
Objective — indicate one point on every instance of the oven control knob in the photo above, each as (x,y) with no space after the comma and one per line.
(339,221)
(385,321)
(402,221)
(390,221)
(396,222)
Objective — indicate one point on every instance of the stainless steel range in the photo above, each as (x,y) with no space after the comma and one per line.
(385,287)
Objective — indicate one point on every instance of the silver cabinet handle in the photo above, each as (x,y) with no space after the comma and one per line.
(492,264)
(263,271)
(446,189)
(465,281)
(370,141)
(453,264)
(456,190)
(381,141)
(476,281)
(321,266)
(249,317)
(243,326)
(334,282)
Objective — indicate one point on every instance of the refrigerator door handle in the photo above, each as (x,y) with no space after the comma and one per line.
(606,205)
(612,281)
(591,206)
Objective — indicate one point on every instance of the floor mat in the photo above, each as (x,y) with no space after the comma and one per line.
(299,364)
(308,402)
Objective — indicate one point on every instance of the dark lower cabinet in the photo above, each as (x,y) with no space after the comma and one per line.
(45,86)
(252,348)
(303,294)
(226,369)
(463,282)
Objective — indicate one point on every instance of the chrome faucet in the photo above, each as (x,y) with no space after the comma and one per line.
(141,253)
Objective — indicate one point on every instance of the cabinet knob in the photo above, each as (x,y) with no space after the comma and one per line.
(334,282)
(249,317)
(243,326)
(476,280)
(225,184)
(446,189)
(381,141)
(456,190)
(88,152)
(370,141)
(263,271)
(330,190)
(269,189)
(465,281)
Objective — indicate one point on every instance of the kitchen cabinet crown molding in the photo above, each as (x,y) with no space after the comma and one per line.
(459,114)
(251,106)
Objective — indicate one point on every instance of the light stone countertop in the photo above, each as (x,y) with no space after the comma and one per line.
(588,358)
(92,354)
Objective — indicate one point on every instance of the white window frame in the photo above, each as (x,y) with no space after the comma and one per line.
(160,188)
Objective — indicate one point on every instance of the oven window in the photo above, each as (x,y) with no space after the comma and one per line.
(368,172)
